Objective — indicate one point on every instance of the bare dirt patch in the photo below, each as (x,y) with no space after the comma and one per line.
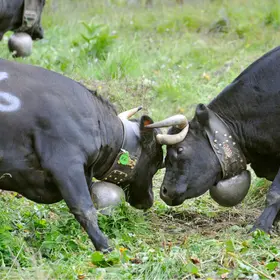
(186,223)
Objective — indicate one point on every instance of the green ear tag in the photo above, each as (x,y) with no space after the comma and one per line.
(124,159)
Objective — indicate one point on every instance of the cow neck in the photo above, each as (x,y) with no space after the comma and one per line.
(123,167)
(225,146)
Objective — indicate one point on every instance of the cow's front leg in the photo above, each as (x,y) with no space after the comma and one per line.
(71,181)
(266,219)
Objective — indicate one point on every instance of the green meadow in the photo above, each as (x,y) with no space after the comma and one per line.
(168,58)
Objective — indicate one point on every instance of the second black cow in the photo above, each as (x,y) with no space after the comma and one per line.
(56,135)
(240,126)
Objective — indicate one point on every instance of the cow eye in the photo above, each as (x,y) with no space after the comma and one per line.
(180,150)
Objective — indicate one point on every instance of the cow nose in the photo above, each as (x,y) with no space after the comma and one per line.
(167,194)
(144,206)
(164,191)
(170,195)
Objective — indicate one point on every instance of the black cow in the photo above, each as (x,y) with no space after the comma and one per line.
(240,126)
(56,135)
(22,16)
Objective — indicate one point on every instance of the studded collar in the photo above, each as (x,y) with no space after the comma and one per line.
(226,148)
(123,167)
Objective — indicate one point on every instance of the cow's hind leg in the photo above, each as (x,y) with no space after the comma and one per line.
(266,219)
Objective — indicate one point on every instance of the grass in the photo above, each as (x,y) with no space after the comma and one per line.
(167,58)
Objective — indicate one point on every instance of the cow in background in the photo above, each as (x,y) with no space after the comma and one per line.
(22,16)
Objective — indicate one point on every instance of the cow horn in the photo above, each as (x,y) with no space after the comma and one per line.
(177,120)
(129,113)
(171,139)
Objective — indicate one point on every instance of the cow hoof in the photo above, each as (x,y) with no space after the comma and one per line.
(107,250)
(252,229)
(260,227)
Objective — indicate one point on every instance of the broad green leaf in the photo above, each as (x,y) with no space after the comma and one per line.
(271,265)
(229,246)
(191,268)
(97,257)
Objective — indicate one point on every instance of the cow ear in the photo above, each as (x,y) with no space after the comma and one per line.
(202,114)
(147,134)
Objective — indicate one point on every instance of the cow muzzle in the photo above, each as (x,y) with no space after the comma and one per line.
(141,200)
(144,204)
(172,197)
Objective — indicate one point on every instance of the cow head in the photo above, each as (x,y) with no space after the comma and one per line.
(139,193)
(192,167)
(138,160)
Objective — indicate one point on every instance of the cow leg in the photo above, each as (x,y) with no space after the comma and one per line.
(70,179)
(266,219)
(75,192)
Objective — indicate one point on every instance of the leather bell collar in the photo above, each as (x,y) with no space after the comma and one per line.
(31,15)
(123,168)
(226,148)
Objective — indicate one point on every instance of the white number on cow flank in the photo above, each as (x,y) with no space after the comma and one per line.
(3,76)
(8,101)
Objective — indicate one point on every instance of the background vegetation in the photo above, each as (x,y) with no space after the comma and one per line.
(168,58)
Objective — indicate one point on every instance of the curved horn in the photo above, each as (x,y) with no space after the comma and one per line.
(171,139)
(176,120)
(179,120)
(129,113)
